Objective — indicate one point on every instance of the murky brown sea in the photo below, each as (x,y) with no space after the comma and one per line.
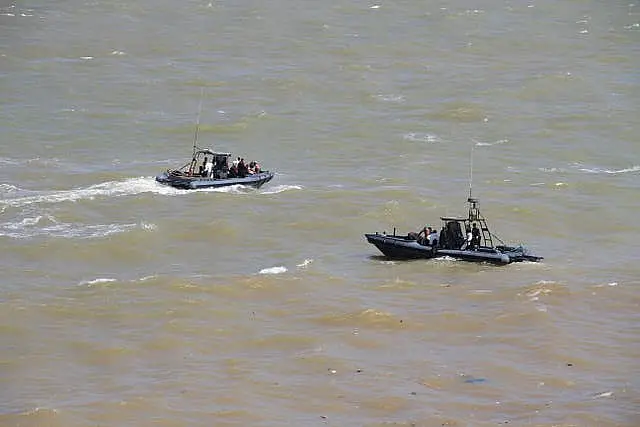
(124,303)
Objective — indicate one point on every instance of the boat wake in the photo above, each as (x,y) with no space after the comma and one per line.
(12,196)
(49,226)
(132,186)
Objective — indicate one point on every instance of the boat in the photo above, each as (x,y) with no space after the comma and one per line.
(221,173)
(212,169)
(476,244)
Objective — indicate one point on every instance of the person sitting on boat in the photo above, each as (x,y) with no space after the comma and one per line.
(243,170)
(256,167)
(233,171)
(475,237)
(208,167)
(433,237)
(423,236)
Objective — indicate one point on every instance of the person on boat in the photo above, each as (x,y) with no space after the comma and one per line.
(208,167)
(433,237)
(475,237)
(466,244)
(233,170)
(256,167)
(423,235)
(243,170)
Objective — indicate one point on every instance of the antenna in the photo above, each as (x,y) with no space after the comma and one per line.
(471,172)
(195,137)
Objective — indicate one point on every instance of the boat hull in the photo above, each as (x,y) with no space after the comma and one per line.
(196,183)
(406,248)
(400,247)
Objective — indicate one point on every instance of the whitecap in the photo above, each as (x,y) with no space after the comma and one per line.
(305,263)
(7,161)
(599,170)
(605,394)
(273,270)
(390,98)
(96,281)
(148,226)
(489,144)
(421,137)
(27,228)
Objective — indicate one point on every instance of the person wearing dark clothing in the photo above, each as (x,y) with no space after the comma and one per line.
(475,237)
(243,170)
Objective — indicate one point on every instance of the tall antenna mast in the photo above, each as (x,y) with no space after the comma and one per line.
(471,171)
(195,137)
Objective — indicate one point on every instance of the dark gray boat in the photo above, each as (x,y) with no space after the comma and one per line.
(475,244)
(210,169)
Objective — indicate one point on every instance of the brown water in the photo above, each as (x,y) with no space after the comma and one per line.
(126,303)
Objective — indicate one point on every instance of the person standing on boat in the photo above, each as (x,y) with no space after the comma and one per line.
(475,237)
(208,167)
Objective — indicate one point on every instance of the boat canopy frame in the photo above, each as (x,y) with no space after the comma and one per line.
(474,216)
(190,167)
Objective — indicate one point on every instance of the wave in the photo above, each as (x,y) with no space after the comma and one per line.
(489,144)
(36,161)
(635,168)
(305,263)
(48,226)
(421,137)
(273,270)
(8,188)
(281,188)
(589,169)
(390,98)
(97,281)
(127,187)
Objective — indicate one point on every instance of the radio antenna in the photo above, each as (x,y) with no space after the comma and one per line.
(195,137)
(471,171)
